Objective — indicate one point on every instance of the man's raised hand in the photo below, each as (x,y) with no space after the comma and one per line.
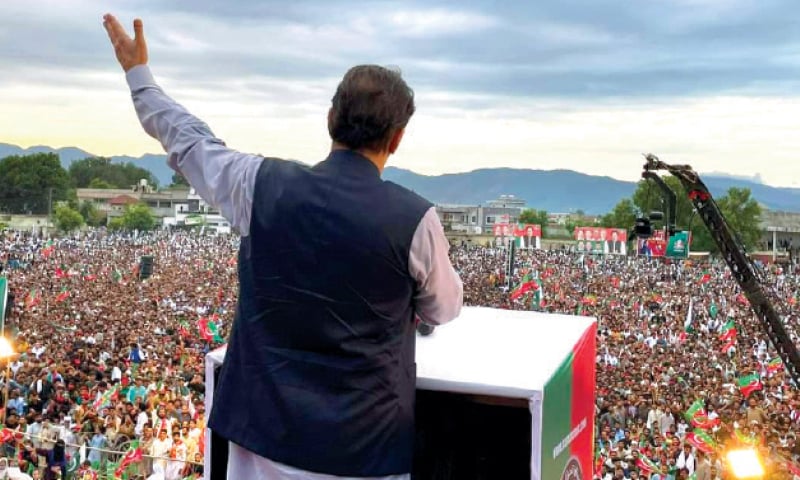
(130,51)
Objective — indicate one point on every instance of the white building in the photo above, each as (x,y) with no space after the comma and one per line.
(196,212)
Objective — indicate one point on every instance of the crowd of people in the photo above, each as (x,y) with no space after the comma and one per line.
(108,371)
(671,393)
(110,368)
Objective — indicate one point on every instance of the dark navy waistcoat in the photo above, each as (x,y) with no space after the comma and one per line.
(319,372)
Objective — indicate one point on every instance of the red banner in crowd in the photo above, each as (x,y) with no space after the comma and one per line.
(600,240)
(528,230)
(600,234)
(655,246)
(517,230)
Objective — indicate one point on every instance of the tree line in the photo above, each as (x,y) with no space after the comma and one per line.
(741,210)
(38,184)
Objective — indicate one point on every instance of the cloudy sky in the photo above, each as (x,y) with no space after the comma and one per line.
(581,84)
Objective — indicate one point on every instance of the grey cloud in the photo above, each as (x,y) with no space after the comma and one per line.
(551,48)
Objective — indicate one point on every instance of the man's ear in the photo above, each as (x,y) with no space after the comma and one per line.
(394,143)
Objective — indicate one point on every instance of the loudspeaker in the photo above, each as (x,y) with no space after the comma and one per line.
(145,267)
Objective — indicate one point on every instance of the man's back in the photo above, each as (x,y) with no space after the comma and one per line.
(324,338)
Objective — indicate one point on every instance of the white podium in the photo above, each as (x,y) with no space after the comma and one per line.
(544,362)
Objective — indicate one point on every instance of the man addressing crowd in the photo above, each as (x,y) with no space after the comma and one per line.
(334,266)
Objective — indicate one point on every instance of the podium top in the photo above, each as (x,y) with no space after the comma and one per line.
(487,351)
(504,353)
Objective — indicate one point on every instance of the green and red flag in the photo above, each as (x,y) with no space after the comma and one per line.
(32,299)
(701,441)
(704,278)
(728,345)
(698,417)
(183,328)
(133,455)
(647,466)
(749,384)
(537,299)
(208,329)
(63,295)
(116,275)
(527,284)
(589,300)
(105,399)
(774,365)
(744,438)
(728,336)
(599,460)
(697,409)
(728,331)
(48,249)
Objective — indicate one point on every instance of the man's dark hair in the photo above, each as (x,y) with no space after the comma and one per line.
(371,103)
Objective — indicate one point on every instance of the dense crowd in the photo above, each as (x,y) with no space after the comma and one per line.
(674,390)
(109,362)
(109,371)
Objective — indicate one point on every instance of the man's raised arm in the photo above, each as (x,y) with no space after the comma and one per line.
(223,177)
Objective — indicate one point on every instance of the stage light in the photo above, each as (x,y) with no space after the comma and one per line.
(745,464)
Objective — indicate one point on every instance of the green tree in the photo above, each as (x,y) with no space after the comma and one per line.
(648,198)
(179,181)
(135,217)
(99,183)
(67,219)
(580,221)
(744,215)
(536,217)
(28,180)
(91,215)
(741,211)
(116,224)
(623,215)
(116,175)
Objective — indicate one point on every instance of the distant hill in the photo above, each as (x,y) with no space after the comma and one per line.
(563,190)
(551,190)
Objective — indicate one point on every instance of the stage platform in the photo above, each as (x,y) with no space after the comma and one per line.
(500,394)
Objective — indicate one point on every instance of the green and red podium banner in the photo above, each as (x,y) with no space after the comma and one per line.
(568,415)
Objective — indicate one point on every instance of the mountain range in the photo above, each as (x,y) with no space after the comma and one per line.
(551,190)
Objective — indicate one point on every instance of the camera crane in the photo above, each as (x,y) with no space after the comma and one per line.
(748,277)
